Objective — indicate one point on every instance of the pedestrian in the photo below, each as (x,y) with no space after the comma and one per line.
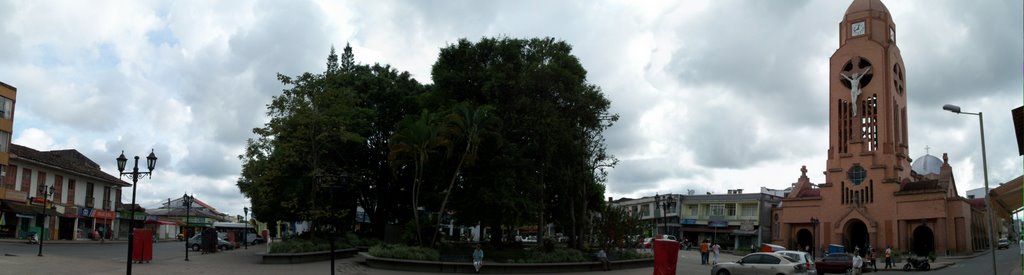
(857,262)
(714,251)
(704,252)
(874,259)
(888,257)
(603,257)
(478,258)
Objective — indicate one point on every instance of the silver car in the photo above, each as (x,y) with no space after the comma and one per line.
(195,243)
(802,257)
(760,263)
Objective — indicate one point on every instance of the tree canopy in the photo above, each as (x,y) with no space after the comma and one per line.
(509,134)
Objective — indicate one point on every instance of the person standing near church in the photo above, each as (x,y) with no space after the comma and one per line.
(888,257)
(858,262)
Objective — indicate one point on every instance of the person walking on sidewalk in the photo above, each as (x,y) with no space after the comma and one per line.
(704,252)
(714,254)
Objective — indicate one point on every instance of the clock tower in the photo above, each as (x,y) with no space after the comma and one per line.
(870,197)
(867,107)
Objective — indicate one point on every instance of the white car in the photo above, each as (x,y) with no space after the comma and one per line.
(760,263)
(803,257)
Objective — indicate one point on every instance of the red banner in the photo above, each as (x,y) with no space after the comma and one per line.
(103,214)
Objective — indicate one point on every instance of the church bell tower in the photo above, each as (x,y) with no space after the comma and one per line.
(867,107)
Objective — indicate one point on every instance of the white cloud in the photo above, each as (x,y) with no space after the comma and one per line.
(713,95)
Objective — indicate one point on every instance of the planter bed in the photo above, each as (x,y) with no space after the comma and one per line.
(305,257)
(491,267)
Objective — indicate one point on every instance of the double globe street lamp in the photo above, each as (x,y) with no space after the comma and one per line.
(187,201)
(47,192)
(134,175)
(245,232)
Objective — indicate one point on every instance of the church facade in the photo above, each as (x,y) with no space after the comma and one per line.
(872,196)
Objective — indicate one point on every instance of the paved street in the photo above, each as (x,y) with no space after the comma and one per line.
(169,258)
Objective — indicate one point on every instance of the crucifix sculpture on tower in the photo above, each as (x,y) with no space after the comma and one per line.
(854,79)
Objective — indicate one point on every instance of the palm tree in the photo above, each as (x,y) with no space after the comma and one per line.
(467,124)
(416,138)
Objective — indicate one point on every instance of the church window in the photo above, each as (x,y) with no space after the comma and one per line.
(871,191)
(869,122)
(903,113)
(896,124)
(842,186)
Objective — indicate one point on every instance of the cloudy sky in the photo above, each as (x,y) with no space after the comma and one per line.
(713,95)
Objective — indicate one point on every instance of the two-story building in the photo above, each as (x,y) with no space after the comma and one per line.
(81,205)
(660,212)
(733,220)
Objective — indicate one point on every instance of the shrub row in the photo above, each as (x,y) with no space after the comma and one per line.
(397,251)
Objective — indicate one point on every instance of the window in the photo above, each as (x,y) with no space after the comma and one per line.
(6,107)
(749,210)
(693,210)
(718,209)
(730,210)
(5,140)
(645,210)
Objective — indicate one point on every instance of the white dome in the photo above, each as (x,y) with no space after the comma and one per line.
(927,164)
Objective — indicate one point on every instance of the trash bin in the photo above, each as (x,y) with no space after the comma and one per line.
(142,247)
(666,255)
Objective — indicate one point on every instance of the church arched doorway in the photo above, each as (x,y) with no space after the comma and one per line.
(924,240)
(856,236)
(804,239)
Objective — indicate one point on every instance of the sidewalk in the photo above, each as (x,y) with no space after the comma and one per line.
(78,241)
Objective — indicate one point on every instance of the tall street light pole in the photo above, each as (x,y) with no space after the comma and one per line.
(134,175)
(187,201)
(46,193)
(984,165)
(814,242)
(245,232)
(657,199)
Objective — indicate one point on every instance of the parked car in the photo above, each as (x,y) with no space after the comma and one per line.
(196,243)
(1003,243)
(760,263)
(839,263)
(802,257)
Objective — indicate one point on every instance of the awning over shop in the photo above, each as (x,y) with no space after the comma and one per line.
(28,209)
(744,232)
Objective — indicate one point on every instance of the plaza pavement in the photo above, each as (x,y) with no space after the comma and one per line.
(240,261)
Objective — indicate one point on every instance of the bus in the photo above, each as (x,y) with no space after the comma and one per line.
(223,228)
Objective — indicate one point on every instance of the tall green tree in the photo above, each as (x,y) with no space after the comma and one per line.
(541,96)
(417,139)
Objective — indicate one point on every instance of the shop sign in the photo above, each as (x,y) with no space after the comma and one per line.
(102,214)
(718,222)
(689,221)
(85,212)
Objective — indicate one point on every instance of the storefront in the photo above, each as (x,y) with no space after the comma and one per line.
(66,223)
(124,223)
(104,223)
(17,218)
(85,224)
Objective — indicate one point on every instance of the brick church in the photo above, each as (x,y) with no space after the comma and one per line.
(873,196)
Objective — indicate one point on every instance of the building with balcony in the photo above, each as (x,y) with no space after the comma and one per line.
(733,220)
(660,212)
(82,204)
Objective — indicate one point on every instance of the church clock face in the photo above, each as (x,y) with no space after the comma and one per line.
(857,28)
(856,175)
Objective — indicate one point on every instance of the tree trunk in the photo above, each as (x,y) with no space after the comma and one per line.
(448,192)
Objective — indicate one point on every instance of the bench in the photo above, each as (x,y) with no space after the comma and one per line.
(456,258)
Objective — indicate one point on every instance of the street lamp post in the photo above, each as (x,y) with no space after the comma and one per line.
(134,175)
(984,165)
(46,193)
(245,232)
(657,200)
(814,243)
(187,201)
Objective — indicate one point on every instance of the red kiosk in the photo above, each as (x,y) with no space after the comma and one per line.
(666,256)
(143,249)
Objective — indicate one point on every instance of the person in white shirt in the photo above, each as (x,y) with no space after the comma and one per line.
(714,254)
(857,263)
